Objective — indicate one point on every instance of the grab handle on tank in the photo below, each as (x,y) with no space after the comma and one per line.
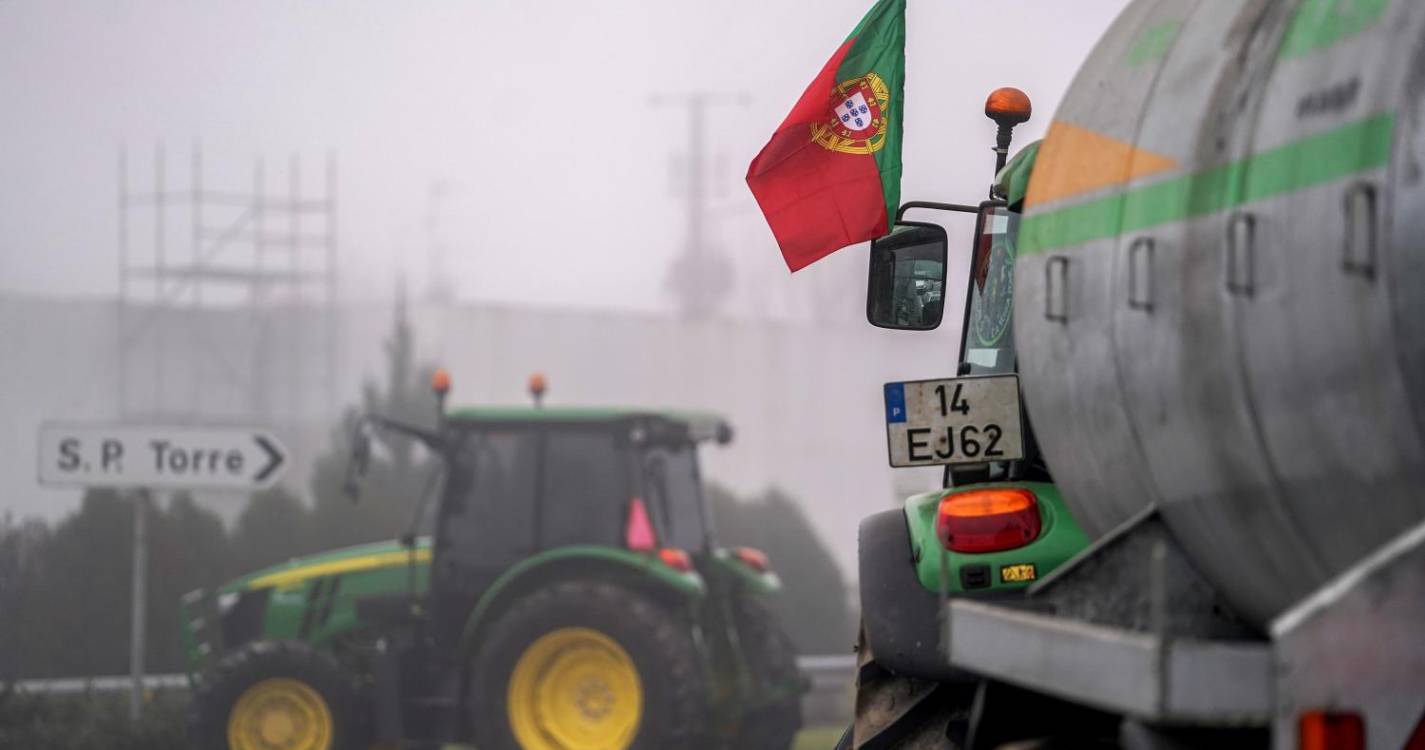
(1241,245)
(1140,274)
(1359,251)
(1056,289)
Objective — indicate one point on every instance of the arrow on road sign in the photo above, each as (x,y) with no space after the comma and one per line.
(275,458)
(159,457)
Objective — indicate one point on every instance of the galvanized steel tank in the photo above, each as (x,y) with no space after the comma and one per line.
(1221,302)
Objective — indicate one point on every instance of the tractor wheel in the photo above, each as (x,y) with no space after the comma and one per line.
(772,659)
(581,665)
(276,695)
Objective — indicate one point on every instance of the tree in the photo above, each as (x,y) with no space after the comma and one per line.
(67,611)
(74,610)
(813,608)
(398,472)
(274,526)
(188,549)
(21,547)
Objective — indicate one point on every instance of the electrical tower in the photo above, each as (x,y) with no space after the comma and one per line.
(702,276)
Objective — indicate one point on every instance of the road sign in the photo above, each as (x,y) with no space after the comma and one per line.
(970,420)
(158,457)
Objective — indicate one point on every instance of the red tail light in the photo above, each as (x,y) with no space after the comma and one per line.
(1320,730)
(638,533)
(755,559)
(988,520)
(676,559)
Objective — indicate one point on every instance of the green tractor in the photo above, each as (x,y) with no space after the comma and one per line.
(572,596)
(999,524)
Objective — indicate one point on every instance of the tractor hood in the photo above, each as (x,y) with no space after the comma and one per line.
(362,557)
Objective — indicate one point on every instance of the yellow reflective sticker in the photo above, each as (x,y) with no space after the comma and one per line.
(1018,573)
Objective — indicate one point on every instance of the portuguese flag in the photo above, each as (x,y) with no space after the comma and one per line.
(831,174)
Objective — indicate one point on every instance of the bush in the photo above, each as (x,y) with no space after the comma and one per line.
(95,721)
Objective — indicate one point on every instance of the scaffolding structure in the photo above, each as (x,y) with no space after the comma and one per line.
(227,311)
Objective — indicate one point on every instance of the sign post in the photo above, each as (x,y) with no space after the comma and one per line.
(138,617)
(149,459)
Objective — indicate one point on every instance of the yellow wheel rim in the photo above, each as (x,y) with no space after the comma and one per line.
(280,714)
(575,689)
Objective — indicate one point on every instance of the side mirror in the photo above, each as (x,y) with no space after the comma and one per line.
(906,281)
(359,462)
(724,433)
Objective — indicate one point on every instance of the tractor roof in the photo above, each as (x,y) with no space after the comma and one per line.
(703,425)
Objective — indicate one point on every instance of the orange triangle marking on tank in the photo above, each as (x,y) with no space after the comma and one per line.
(1075,160)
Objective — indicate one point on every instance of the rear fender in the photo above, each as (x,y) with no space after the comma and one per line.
(637,571)
(992,573)
(901,566)
(730,568)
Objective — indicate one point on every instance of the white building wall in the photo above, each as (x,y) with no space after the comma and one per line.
(805,399)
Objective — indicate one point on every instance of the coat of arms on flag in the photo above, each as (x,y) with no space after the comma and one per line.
(858,123)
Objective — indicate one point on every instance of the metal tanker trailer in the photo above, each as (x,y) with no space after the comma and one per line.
(1219,316)
(1221,310)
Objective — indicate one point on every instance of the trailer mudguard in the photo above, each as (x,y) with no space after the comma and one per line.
(639,571)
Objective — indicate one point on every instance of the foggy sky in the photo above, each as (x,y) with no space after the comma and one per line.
(536,114)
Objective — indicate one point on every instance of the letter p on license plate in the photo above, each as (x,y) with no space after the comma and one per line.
(956,421)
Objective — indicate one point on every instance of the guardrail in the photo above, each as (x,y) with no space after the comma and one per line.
(72,685)
(830,677)
(829,701)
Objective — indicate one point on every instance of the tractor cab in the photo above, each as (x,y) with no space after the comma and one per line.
(524,480)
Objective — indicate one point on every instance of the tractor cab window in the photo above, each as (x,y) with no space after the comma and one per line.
(675,495)
(988,345)
(490,494)
(586,488)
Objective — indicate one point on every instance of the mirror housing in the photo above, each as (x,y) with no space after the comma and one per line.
(905,287)
(359,461)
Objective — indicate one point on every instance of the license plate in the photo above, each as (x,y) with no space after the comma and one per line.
(954,421)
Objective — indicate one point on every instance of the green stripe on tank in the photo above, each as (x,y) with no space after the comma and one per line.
(1319,24)
(1154,43)
(1314,160)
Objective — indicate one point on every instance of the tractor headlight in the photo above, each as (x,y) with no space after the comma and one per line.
(226,601)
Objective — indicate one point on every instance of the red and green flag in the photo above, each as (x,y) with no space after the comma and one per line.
(831,175)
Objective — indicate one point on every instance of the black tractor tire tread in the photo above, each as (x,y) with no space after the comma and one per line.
(220,689)
(772,660)
(675,683)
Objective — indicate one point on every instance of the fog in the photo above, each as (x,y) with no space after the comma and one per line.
(538,150)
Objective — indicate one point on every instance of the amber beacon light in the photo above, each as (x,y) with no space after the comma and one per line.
(440,381)
(1008,106)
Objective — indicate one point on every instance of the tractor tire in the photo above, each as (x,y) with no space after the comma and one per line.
(589,664)
(772,660)
(277,694)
